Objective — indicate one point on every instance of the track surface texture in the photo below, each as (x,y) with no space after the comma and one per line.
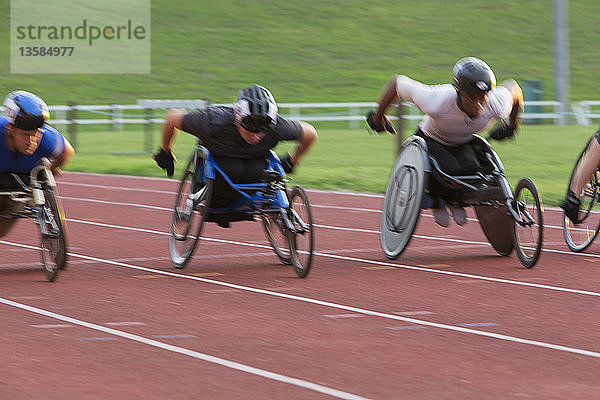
(449,319)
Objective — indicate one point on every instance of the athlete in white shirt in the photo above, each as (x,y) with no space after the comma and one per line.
(453,113)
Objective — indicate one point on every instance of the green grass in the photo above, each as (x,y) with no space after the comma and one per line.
(328,50)
(351,160)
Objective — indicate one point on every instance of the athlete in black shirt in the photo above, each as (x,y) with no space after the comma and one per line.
(239,137)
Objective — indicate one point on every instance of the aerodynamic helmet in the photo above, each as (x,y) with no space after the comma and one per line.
(25,110)
(256,109)
(473,76)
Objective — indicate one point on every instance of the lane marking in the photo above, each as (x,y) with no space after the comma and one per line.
(344,307)
(366,261)
(413,312)
(336,316)
(124,323)
(173,336)
(406,328)
(51,326)
(201,356)
(475,324)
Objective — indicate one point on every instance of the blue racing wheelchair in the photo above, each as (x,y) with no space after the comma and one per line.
(509,221)
(285,214)
(33,196)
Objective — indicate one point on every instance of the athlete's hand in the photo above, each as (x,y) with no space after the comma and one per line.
(382,126)
(165,160)
(501,131)
(287,164)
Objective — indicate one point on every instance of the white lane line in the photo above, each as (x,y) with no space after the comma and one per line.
(176,349)
(346,308)
(379,263)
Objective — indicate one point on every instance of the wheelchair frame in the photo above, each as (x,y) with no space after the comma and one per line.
(508,220)
(286,215)
(38,201)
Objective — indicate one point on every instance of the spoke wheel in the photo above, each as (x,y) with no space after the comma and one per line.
(403,199)
(275,232)
(52,235)
(301,240)
(528,238)
(189,212)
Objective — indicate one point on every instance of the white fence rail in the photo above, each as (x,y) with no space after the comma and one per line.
(151,111)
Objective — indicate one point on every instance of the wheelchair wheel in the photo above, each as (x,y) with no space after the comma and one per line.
(275,232)
(52,235)
(189,212)
(580,236)
(403,199)
(528,238)
(301,241)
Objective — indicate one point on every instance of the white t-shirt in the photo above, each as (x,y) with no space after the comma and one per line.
(444,121)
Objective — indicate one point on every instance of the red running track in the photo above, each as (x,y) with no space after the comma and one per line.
(449,319)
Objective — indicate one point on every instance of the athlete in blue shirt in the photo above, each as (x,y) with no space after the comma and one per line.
(25,137)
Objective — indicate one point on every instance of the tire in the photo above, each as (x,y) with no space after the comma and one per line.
(301,241)
(579,236)
(277,237)
(403,199)
(52,235)
(528,238)
(188,216)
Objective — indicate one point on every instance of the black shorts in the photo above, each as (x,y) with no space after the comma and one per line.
(239,171)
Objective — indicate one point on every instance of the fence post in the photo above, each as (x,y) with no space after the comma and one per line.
(148,131)
(72,116)
(117,114)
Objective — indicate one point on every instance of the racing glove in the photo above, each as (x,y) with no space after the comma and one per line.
(287,164)
(380,128)
(165,160)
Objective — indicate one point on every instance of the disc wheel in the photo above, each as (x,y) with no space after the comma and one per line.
(528,237)
(580,236)
(403,199)
(188,217)
(301,240)
(52,235)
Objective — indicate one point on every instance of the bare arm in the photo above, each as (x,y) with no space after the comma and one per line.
(388,96)
(517,94)
(305,142)
(169,129)
(62,158)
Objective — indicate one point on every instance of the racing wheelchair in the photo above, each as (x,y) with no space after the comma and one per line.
(508,221)
(33,196)
(285,214)
(579,236)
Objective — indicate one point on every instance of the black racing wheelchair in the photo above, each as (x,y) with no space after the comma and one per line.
(509,221)
(33,196)
(285,214)
(580,235)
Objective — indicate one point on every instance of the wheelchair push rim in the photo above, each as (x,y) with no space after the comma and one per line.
(579,236)
(529,229)
(189,213)
(403,199)
(52,235)
(301,237)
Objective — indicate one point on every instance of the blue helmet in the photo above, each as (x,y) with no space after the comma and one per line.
(25,110)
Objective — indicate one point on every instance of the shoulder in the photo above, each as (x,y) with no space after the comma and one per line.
(287,129)
(211,116)
(500,100)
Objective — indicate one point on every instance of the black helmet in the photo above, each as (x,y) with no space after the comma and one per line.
(473,76)
(256,109)
(25,110)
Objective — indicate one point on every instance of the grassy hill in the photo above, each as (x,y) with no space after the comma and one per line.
(328,50)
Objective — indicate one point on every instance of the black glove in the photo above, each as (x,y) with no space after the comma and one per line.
(571,205)
(380,128)
(165,160)
(287,164)
(501,131)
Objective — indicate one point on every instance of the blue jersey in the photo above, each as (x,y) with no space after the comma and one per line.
(51,145)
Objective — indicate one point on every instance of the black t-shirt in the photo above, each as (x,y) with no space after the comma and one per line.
(216,128)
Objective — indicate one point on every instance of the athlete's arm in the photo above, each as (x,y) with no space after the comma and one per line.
(517,107)
(169,129)
(63,157)
(305,142)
